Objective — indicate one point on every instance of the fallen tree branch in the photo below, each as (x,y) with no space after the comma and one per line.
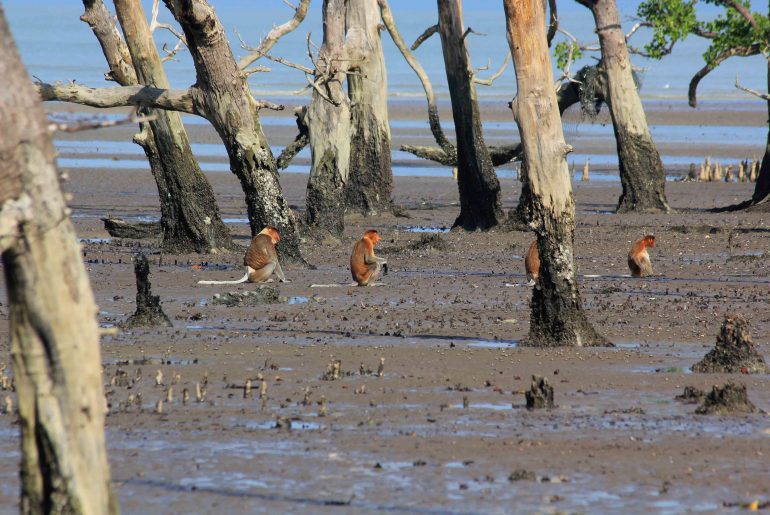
(500,155)
(754,92)
(143,96)
(496,75)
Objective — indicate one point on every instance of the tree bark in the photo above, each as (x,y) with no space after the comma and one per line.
(190,216)
(480,206)
(641,170)
(221,88)
(557,316)
(369,187)
(53,329)
(329,127)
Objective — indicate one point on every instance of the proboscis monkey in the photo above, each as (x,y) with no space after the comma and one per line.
(532,264)
(260,260)
(364,265)
(639,259)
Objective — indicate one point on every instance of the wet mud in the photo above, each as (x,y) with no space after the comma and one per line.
(425,408)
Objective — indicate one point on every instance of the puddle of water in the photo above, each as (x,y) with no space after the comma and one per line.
(296,424)
(494,344)
(485,405)
(299,299)
(419,229)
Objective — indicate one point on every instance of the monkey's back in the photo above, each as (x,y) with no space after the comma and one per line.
(260,252)
(358,267)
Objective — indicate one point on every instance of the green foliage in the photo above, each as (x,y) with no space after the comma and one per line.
(672,21)
(562,53)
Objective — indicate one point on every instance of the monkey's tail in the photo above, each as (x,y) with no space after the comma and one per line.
(239,281)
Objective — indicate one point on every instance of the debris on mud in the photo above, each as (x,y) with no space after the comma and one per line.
(696,229)
(333,371)
(691,395)
(540,394)
(148,313)
(262,295)
(522,475)
(118,228)
(734,351)
(427,242)
(730,399)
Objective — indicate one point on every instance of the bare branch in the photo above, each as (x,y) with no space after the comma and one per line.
(763,96)
(300,141)
(290,64)
(636,27)
(144,96)
(264,104)
(424,36)
(114,48)
(553,24)
(313,84)
(94,123)
(470,31)
(154,24)
(433,117)
(277,33)
(739,51)
(171,53)
(496,75)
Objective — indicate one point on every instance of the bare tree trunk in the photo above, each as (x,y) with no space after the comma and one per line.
(190,217)
(557,316)
(223,92)
(369,187)
(54,334)
(329,128)
(479,187)
(641,170)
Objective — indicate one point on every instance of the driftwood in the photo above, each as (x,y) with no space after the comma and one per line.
(148,313)
(118,228)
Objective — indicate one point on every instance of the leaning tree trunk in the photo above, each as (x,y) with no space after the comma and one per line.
(190,216)
(53,329)
(641,170)
(479,188)
(329,128)
(370,183)
(223,91)
(557,316)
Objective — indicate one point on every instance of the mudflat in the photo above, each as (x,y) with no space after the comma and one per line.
(427,414)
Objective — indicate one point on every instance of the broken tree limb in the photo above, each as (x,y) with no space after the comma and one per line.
(143,96)
(274,35)
(118,228)
(424,36)
(300,141)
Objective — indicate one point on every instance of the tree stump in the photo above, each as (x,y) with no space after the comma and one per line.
(734,351)
(730,399)
(540,394)
(118,228)
(148,313)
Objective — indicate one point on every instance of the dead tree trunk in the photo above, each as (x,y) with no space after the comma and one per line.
(328,118)
(223,93)
(53,329)
(557,316)
(369,187)
(641,170)
(190,218)
(479,188)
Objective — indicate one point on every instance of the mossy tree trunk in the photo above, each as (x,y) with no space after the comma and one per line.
(557,316)
(369,187)
(479,188)
(190,217)
(222,92)
(329,127)
(641,170)
(53,327)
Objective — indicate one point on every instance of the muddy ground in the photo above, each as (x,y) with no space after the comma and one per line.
(444,428)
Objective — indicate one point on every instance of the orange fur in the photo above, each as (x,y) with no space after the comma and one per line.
(261,260)
(638,259)
(365,267)
(532,264)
